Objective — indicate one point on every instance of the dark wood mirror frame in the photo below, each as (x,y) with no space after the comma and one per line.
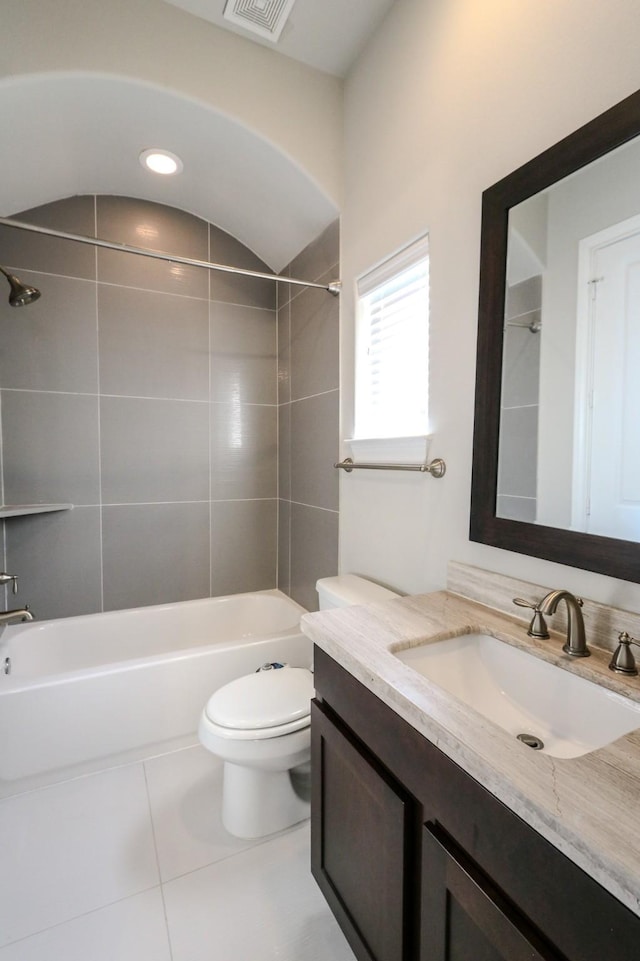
(604,555)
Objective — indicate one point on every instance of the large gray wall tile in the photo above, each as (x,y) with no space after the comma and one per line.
(243,354)
(143,413)
(516,508)
(284,451)
(244,457)
(284,354)
(523,297)
(308,367)
(314,343)
(233,288)
(153,344)
(154,450)
(243,546)
(314,430)
(521,377)
(284,546)
(52,344)
(140,223)
(518,454)
(50,444)
(57,557)
(314,551)
(155,553)
(75,215)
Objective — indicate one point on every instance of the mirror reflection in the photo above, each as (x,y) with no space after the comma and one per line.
(569,449)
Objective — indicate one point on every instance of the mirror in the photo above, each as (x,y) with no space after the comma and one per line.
(556,459)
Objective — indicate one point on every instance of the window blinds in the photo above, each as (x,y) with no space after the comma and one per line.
(393,346)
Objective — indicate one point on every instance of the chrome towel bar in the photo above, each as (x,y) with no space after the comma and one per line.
(437,467)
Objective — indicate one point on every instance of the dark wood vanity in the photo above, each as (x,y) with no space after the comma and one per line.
(419,862)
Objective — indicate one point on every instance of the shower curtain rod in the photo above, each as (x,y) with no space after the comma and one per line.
(333,287)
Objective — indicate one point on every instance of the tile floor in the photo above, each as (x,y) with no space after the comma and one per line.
(133,864)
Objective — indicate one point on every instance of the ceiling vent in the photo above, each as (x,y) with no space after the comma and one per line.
(264,17)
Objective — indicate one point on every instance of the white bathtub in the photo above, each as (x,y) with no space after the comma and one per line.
(100,686)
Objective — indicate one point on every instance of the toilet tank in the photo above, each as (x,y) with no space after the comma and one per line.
(347,589)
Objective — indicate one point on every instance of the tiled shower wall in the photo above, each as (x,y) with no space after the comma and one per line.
(517,480)
(145,394)
(308,396)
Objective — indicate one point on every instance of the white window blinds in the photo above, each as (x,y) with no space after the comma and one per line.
(392,346)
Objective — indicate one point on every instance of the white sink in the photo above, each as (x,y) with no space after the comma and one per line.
(524,694)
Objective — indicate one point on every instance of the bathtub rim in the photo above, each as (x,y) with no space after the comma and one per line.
(10,683)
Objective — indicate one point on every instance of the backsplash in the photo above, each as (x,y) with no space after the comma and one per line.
(603,624)
(146,394)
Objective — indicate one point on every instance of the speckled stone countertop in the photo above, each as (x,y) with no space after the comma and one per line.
(588,807)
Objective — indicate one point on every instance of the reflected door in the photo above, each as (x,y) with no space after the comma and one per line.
(612,436)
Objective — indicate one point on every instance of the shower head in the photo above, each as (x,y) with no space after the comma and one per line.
(21,294)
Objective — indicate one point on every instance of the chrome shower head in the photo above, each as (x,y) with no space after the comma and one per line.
(21,294)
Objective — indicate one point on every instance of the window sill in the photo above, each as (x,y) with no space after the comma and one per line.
(390,450)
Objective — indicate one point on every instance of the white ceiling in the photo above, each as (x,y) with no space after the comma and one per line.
(58,144)
(325,34)
(231,177)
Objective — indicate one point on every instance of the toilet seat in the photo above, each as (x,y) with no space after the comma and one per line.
(262,705)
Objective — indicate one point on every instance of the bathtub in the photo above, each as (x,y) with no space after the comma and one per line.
(118,685)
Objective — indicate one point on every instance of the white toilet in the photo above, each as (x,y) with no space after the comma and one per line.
(259,725)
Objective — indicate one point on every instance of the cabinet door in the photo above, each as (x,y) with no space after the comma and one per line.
(360,825)
(464,917)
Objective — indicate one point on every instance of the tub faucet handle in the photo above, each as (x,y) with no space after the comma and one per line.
(6,578)
(538,626)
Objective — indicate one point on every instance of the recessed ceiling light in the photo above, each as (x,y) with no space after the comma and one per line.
(161,161)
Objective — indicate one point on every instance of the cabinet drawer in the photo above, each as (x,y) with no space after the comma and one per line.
(464,916)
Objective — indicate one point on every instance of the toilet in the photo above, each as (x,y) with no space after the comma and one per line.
(259,725)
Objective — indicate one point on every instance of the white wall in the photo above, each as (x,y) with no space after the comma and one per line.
(448,98)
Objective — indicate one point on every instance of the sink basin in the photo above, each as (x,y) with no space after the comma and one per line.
(564,715)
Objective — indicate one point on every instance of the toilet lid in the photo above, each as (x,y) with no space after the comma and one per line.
(267,699)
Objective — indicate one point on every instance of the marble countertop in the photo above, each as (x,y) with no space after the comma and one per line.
(587,807)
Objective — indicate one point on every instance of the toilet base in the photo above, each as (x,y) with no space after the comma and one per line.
(256,802)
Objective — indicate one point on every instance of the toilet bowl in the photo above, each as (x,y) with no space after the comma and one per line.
(259,725)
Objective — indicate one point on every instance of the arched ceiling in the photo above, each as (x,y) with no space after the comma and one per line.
(67,134)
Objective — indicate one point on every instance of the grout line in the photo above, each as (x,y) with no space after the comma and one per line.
(78,917)
(315,507)
(278,459)
(322,393)
(99,438)
(210,319)
(155,848)
(151,290)
(176,400)
(208,500)
(290,446)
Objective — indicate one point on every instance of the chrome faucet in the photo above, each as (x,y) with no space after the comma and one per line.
(10,617)
(576,643)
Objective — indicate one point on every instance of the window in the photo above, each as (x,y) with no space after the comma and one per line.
(392,346)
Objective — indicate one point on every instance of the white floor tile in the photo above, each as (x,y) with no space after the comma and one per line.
(261,905)
(131,930)
(185,793)
(72,848)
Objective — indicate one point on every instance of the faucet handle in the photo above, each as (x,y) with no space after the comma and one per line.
(6,578)
(538,625)
(623,661)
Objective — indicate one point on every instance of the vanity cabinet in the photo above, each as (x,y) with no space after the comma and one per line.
(419,862)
